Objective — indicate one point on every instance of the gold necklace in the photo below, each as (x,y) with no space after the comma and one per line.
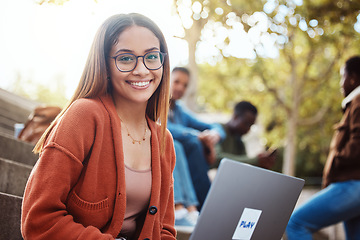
(134,140)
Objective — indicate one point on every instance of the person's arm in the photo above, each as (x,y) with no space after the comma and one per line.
(44,209)
(181,132)
(185,121)
(349,155)
(168,231)
(193,122)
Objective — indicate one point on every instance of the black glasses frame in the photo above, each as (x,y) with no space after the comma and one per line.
(162,56)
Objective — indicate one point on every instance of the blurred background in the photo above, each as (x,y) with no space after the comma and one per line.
(283,56)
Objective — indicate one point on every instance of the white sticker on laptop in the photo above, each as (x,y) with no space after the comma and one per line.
(247,223)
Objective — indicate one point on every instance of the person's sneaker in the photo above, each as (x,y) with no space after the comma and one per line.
(193,217)
(181,213)
(184,225)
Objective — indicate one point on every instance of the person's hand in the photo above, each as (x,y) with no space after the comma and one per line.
(210,155)
(266,160)
(209,138)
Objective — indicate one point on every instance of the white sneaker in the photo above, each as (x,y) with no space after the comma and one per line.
(193,217)
(181,213)
(184,225)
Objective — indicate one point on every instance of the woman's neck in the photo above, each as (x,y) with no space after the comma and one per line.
(130,112)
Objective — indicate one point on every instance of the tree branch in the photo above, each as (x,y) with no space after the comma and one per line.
(314,119)
(325,75)
(274,92)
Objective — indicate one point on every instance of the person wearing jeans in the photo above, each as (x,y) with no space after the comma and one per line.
(185,199)
(184,191)
(340,198)
(338,202)
(194,136)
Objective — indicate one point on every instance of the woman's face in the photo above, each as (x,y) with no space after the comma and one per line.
(139,84)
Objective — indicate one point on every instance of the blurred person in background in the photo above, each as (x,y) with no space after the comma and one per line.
(197,138)
(186,203)
(339,201)
(233,147)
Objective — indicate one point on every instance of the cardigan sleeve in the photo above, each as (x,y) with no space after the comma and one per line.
(44,212)
(168,231)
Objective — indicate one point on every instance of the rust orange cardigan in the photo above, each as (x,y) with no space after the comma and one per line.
(77,188)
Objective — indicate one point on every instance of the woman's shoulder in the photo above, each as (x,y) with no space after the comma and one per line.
(84,112)
(86,103)
(86,107)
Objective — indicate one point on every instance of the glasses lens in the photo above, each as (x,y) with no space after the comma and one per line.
(126,62)
(153,60)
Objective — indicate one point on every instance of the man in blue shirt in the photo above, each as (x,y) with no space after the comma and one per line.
(197,138)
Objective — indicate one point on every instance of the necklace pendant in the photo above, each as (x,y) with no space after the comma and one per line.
(132,139)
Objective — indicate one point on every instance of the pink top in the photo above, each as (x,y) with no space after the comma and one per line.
(138,190)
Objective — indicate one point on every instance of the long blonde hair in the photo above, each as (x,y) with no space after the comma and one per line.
(94,83)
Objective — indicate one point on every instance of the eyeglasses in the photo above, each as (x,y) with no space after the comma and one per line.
(126,62)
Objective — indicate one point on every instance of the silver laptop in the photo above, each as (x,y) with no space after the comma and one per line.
(247,202)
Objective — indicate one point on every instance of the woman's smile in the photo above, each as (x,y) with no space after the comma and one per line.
(139,84)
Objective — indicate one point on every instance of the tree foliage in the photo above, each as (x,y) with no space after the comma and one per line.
(296,87)
(295,49)
(56,2)
(196,15)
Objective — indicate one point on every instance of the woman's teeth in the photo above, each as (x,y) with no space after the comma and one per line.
(140,84)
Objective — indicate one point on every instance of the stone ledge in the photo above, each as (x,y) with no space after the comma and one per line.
(10,217)
(16,150)
(13,177)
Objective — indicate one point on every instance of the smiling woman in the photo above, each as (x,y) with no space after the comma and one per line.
(105,168)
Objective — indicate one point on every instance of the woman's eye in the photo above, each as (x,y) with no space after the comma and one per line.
(152,56)
(125,58)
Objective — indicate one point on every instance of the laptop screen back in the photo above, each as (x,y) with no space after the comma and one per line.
(247,202)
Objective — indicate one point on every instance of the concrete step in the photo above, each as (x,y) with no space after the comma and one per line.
(10,217)
(13,109)
(16,150)
(13,176)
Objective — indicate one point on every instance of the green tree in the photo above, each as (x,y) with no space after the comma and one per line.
(300,83)
(56,2)
(298,47)
(195,15)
